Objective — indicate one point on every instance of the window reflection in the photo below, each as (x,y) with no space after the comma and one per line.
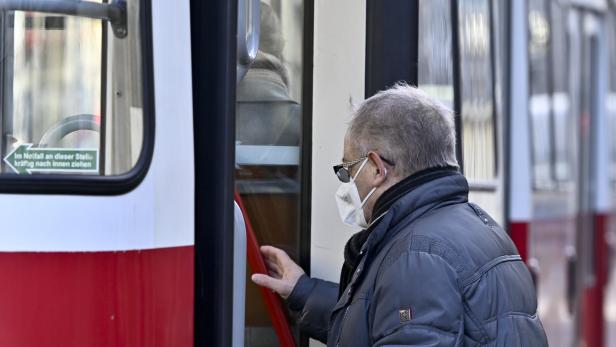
(539,101)
(561,109)
(70,86)
(51,56)
(551,119)
(435,70)
(477,93)
(268,138)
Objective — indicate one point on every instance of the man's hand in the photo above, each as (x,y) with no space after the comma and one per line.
(284,273)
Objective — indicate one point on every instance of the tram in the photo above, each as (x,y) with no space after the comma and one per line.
(149,146)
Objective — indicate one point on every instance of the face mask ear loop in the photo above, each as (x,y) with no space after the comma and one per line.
(368,197)
(360,167)
(373,189)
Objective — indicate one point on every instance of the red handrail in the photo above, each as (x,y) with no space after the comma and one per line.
(272,301)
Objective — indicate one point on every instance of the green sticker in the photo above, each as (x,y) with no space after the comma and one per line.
(26,160)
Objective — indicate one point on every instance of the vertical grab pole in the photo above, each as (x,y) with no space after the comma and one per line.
(239,277)
(272,302)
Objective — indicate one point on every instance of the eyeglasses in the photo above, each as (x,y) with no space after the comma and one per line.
(342,170)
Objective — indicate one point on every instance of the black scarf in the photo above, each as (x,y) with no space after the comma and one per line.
(384,202)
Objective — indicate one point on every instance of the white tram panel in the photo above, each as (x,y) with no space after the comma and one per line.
(338,83)
(520,170)
(602,203)
(597,5)
(339,68)
(160,211)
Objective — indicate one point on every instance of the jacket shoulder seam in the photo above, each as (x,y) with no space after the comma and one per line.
(476,276)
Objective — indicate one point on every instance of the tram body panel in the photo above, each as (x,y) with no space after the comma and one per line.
(119,270)
(609,309)
(339,69)
(112,270)
(596,326)
(552,253)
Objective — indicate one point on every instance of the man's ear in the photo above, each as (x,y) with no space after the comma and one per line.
(380,173)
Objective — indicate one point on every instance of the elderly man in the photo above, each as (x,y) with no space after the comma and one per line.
(429,268)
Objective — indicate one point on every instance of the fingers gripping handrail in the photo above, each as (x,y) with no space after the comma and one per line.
(272,302)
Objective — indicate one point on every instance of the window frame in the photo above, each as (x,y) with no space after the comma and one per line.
(388,23)
(103,185)
(490,185)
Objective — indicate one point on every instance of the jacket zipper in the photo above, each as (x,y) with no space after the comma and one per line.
(341,325)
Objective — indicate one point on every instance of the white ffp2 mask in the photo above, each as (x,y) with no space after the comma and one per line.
(350,204)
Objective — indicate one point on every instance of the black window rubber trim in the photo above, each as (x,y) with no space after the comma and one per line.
(102,185)
(391,44)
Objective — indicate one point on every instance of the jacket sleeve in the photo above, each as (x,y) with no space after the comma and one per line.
(314,299)
(417,302)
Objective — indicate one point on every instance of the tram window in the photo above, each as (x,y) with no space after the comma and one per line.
(561,109)
(71,93)
(268,135)
(611,97)
(540,107)
(477,90)
(435,66)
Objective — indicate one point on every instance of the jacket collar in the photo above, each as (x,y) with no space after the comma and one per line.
(385,202)
(398,202)
(448,189)
(431,190)
(391,195)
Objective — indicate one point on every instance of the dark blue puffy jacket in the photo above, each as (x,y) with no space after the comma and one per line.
(435,270)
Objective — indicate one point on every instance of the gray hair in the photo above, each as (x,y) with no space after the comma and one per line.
(406,126)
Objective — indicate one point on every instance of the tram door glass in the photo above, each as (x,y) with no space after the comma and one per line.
(550,115)
(71,93)
(539,99)
(555,78)
(611,96)
(562,157)
(268,144)
(435,70)
(477,90)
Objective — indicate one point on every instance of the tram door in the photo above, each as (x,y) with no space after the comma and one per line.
(553,103)
(268,147)
(563,44)
(96,244)
(590,276)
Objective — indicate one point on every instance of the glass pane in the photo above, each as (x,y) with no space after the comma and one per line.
(611,97)
(562,117)
(435,71)
(539,89)
(478,126)
(268,136)
(71,94)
